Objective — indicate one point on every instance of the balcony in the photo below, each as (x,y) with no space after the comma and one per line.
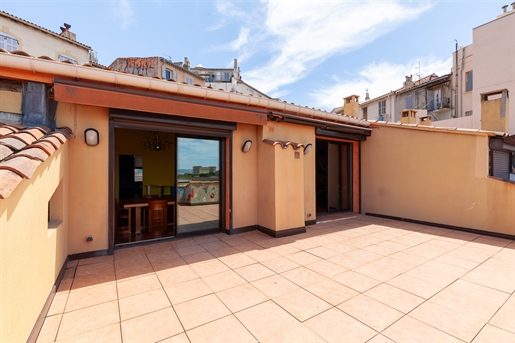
(348,278)
(444,103)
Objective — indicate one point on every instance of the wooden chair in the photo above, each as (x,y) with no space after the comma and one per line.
(122,215)
(157,216)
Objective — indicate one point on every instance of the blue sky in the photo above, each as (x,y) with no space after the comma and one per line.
(197,152)
(311,53)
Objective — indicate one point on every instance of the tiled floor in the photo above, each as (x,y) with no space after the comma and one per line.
(357,279)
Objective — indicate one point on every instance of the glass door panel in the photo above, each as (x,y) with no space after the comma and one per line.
(198,185)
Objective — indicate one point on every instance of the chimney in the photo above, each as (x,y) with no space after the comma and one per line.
(367,96)
(409,82)
(504,8)
(513,5)
(186,63)
(65,32)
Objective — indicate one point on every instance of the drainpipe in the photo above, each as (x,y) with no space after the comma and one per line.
(76,72)
(461,80)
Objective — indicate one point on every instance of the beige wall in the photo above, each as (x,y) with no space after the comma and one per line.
(436,177)
(10,102)
(244,177)
(32,250)
(38,43)
(88,177)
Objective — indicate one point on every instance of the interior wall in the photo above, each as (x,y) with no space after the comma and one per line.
(244,177)
(435,177)
(88,208)
(158,165)
(32,249)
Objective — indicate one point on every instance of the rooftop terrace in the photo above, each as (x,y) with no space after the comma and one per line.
(348,279)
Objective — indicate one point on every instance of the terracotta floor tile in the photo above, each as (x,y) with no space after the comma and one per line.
(200,311)
(227,329)
(189,250)
(492,334)
(120,254)
(254,272)
(380,339)
(98,259)
(454,323)
(410,258)
(280,264)
(322,252)
(72,264)
(162,255)
(340,247)
(90,296)
(436,273)
(427,250)
(143,303)
(151,327)
(187,290)
(94,269)
(297,333)
(303,258)
(494,273)
(415,286)
(58,303)
(237,260)
(371,312)
(210,267)
(65,285)
(337,326)
(356,281)
(107,334)
(126,288)
(380,249)
(505,317)
(48,331)
(326,268)
(284,249)
(261,255)
(176,275)
(134,271)
(355,258)
(88,319)
(264,326)
(136,260)
(275,286)
(241,297)
(456,261)
(302,304)
(167,263)
(331,291)
(157,247)
(471,253)
(395,297)
(180,338)
(224,280)
(364,241)
(475,300)
(384,269)
(303,276)
(409,330)
(92,280)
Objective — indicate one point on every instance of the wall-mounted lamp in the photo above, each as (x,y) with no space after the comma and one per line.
(246,146)
(308,148)
(91,137)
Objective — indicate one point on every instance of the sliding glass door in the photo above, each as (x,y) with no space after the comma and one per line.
(198,185)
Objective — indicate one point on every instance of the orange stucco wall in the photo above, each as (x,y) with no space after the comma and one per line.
(435,177)
(88,205)
(32,249)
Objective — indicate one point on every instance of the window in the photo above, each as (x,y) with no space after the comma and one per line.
(8,42)
(67,58)
(469,79)
(468,113)
(502,160)
(189,80)
(226,77)
(382,107)
(409,102)
(170,75)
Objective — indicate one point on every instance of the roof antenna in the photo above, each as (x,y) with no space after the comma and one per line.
(418,70)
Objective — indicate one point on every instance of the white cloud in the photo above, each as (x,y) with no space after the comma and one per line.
(241,40)
(378,78)
(124,13)
(301,35)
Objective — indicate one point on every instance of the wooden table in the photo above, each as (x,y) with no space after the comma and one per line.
(137,205)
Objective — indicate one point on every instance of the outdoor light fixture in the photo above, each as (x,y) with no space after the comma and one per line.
(156,142)
(91,137)
(246,146)
(308,148)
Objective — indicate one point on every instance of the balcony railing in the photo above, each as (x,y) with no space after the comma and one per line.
(442,103)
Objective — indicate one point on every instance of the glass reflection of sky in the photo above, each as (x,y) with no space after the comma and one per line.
(197,152)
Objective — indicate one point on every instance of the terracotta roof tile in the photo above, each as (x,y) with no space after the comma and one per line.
(8,182)
(284,144)
(5,151)
(21,165)
(13,143)
(23,149)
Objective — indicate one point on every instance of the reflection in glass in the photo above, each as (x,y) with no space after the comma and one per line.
(198,185)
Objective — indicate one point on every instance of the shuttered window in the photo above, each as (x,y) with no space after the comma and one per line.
(501,164)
